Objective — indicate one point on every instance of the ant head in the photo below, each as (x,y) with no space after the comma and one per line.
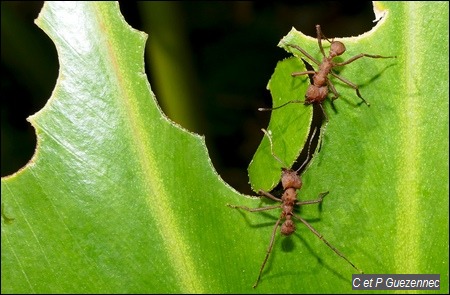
(337,48)
(290,179)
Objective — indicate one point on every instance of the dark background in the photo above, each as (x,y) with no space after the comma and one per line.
(243,35)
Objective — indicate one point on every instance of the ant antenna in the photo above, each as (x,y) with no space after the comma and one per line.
(280,106)
(309,150)
(269,136)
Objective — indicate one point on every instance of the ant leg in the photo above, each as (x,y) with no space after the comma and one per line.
(270,196)
(318,200)
(309,151)
(303,73)
(305,53)
(323,111)
(352,85)
(253,209)
(291,101)
(319,39)
(264,194)
(268,251)
(352,59)
(333,89)
(319,32)
(326,242)
(320,139)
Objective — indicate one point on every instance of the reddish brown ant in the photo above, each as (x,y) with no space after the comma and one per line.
(291,182)
(318,90)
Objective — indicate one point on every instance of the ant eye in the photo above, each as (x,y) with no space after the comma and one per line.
(338,48)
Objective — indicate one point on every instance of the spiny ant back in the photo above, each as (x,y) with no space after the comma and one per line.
(290,178)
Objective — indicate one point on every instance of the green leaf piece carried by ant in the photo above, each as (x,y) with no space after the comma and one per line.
(289,128)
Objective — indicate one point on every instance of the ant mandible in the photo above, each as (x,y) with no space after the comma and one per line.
(291,182)
(318,90)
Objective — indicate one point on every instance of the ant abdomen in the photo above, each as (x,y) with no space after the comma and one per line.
(288,227)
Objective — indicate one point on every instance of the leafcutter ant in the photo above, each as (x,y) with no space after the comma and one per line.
(291,182)
(318,90)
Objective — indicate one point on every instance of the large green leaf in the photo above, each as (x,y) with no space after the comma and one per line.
(386,166)
(116,198)
(119,199)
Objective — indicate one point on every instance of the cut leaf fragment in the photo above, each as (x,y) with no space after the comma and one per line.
(289,126)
